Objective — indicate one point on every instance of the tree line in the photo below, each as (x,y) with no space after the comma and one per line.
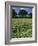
(22,14)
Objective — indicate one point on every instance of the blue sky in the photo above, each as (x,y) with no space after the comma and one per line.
(29,10)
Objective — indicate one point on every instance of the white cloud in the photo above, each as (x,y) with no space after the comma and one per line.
(13,8)
(22,8)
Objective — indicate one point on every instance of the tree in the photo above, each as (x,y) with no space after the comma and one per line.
(22,13)
(13,13)
(30,14)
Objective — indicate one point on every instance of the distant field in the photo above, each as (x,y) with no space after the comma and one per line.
(21,28)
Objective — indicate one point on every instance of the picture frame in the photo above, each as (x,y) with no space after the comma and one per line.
(8,20)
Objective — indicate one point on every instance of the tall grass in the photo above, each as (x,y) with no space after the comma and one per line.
(21,28)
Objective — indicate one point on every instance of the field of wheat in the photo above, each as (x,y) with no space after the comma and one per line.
(21,28)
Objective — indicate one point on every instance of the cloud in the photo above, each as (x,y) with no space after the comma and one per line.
(13,8)
(22,8)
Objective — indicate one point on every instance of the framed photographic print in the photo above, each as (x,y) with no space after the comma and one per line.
(20,22)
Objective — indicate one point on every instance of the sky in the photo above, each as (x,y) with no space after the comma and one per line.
(29,10)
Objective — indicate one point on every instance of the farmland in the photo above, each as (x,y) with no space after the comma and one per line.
(21,27)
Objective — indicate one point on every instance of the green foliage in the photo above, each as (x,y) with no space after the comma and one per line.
(21,28)
(22,14)
(13,13)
